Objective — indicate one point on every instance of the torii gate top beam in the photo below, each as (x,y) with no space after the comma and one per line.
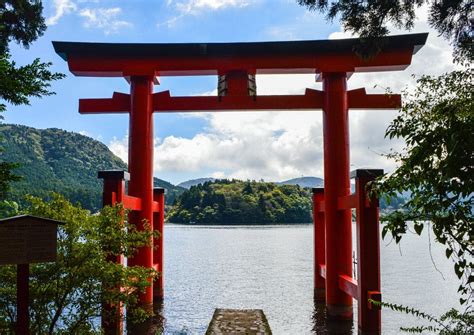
(186,59)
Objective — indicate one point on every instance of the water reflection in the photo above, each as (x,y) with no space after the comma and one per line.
(271,268)
(322,325)
(158,320)
(154,325)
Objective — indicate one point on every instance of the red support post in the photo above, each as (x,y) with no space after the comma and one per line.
(114,186)
(336,185)
(140,163)
(235,84)
(158,257)
(319,245)
(113,193)
(23,297)
(368,253)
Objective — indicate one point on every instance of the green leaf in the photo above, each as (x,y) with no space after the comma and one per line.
(449,252)
(418,228)
(458,270)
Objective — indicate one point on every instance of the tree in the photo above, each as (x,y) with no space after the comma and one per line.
(239,202)
(369,19)
(437,167)
(21,21)
(66,295)
(6,176)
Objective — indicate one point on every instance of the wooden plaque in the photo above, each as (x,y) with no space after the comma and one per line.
(28,239)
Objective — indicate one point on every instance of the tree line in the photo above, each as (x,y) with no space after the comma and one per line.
(242,202)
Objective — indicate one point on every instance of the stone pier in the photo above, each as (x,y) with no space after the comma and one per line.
(238,321)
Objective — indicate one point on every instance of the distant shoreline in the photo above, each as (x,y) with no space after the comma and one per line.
(237,224)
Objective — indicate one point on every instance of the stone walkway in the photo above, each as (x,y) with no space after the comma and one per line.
(238,321)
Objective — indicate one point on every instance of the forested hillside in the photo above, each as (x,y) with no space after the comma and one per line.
(239,202)
(67,163)
(61,161)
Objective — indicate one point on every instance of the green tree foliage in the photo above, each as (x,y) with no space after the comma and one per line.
(369,19)
(66,295)
(6,177)
(19,84)
(450,323)
(237,202)
(437,167)
(21,21)
(172,192)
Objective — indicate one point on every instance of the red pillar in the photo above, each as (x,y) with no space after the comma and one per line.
(22,296)
(140,164)
(113,193)
(336,184)
(368,254)
(319,245)
(158,257)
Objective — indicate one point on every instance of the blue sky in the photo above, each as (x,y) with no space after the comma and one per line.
(272,146)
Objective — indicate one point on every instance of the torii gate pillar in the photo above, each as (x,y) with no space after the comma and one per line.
(336,184)
(140,160)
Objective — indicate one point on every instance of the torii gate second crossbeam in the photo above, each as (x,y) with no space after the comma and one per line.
(237,64)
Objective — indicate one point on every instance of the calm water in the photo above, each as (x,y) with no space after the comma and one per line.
(270,268)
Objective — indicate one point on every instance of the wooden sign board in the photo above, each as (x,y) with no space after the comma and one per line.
(28,239)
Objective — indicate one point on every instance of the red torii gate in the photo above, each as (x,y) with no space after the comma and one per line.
(236,64)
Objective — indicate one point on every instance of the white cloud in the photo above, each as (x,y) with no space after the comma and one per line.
(219,175)
(120,147)
(283,145)
(298,28)
(170,23)
(104,18)
(62,7)
(88,134)
(197,6)
(249,145)
(337,35)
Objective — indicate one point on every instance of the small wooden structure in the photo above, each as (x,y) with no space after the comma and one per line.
(26,239)
(238,321)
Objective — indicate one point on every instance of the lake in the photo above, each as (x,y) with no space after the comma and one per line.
(271,268)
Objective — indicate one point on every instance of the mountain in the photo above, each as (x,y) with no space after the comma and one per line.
(193,182)
(304,182)
(61,161)
(171,191)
